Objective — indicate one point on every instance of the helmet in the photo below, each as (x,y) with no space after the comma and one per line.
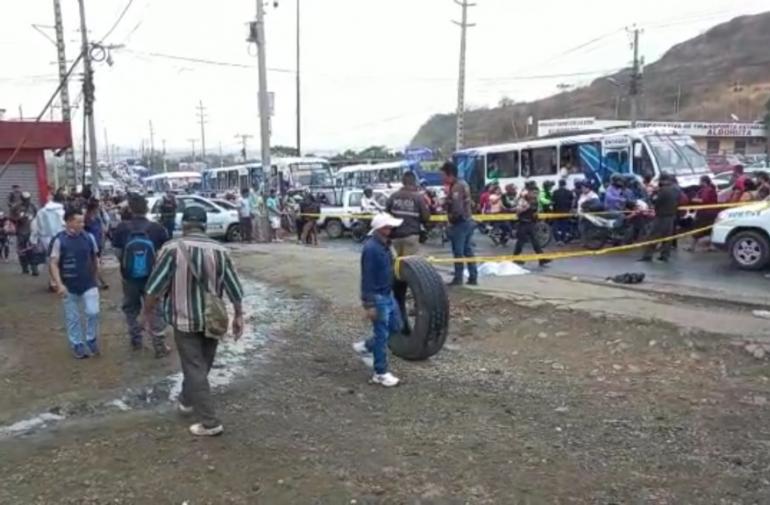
(26,195)
(548,184)
(368,191)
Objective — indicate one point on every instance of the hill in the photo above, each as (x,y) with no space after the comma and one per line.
(694,80)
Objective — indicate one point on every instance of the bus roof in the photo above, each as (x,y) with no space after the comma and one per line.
(172,175)
(377,166)
(296,160)
(232,167)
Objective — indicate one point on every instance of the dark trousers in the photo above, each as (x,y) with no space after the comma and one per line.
(461,237)
(5,248)
(196,355)
(169,225)
(25,253)
(133,298)
(525,233)
(561,229)
(662,226)
(246,228)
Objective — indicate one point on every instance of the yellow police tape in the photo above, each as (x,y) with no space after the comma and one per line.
(542,216)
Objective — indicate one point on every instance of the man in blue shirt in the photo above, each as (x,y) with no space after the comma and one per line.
(377,298)
(74,269)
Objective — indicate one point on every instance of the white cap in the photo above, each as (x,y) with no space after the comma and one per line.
(383,220)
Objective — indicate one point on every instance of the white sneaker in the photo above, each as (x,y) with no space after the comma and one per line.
(199,430)
(365,356)
(184,409)
(387,379)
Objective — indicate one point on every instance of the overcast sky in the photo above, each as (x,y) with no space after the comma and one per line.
(373,70)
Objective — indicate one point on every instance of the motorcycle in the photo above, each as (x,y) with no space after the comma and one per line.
(359,230)
(597,231)
(496,233)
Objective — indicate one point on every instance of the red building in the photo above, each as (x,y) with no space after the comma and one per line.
(24,143)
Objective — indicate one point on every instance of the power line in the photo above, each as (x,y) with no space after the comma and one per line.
(117,21)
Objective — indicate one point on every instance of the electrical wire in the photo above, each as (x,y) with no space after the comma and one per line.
(117,21)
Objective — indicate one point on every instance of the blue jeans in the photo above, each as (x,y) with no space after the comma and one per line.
(388,321)
(90,300)
(461,237)
(169,226)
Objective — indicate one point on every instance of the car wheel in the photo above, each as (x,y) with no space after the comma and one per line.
(750,250)
(334,229)
(233,233)
(426,303)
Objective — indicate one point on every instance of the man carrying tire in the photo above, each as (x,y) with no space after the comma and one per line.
(461,225)
(377,299)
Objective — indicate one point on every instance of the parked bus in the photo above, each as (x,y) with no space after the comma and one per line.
(232,179)
(592,156)
(385,174)
(301,173)
(173,181)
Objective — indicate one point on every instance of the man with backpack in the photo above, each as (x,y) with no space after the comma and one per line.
(137,243)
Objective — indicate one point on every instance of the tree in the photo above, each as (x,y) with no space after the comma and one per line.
(284,151)
(506,102)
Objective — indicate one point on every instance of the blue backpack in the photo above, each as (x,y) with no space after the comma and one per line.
(138,256)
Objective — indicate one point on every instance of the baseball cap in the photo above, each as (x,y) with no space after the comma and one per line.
(194,214)
(384,220)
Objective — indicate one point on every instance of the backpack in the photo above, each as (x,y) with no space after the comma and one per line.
(138,256)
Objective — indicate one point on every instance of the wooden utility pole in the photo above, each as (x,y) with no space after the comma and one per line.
(464,25)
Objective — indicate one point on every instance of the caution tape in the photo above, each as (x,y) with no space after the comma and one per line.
(546,216)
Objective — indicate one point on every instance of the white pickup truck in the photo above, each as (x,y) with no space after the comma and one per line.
(745,233)
(336,220)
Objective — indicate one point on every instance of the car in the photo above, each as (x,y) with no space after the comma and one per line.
(226,204)
(724,180)
(337,219)
(744,232)
(222,223)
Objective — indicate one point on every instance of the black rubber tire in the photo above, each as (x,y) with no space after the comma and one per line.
(431,301)
(233,233)
(593,237)
(359,231)
(334,229)
(741,242)
(543,234)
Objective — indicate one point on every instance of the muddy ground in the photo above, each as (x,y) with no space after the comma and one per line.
(526,405)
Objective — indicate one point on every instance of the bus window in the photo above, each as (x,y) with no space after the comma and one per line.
(569,160)
(526,163)
(543,161)
(502,165)
(643,165)
(617,161)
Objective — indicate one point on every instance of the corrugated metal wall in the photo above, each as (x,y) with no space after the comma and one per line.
(23,174)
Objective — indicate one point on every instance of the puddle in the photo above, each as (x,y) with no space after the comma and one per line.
(267,310)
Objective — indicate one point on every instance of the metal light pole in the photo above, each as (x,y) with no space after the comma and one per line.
(299,88)
(88,95)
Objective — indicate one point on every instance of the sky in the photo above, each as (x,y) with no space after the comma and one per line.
(372,71)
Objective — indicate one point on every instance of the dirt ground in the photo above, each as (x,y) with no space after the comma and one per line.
(525,405)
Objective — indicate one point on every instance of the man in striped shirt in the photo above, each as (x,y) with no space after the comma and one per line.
(176,280)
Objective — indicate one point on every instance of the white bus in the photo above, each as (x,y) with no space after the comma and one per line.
(172,181)
(301,173)
(591,156)
(232,179)
(387,175)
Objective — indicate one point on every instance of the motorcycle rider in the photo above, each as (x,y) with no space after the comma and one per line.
(616,199)
(545,197)
(563,202)
(526,210)
(23,214)
(588,201)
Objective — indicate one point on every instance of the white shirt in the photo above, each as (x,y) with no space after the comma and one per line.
(370,204)
(586,197)
(48,222)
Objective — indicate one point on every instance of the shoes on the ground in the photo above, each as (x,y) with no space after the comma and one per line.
(136,345)
(455,282)
(363,353)
(387,380)
(184,409)
(644,260)
(473,282)
(199,430)
(93,347)
(79,350)
(162,351)
(35,273)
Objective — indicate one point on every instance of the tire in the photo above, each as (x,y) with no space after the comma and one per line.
(359,232)
(543,234)
(431,300)
(334,229)
(749,250)
(594,237)
(233,233)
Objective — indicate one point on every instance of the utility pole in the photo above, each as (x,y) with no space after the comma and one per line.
(165,163)
(107,146)
(299,88)
(244,140)
(192,143)
(264,100)
(64,95)
(202,120)
(152,146)
(88,95)
(464,25)
(221,159)
(636,79)
(678,100)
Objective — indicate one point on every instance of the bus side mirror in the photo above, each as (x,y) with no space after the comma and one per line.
(638,150)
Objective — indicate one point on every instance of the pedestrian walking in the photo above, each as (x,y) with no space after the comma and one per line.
(527,212)
(24,213)
(137,243)
(48,223)
(666,204)
(274,216)
(377,298)
(461,225)
(5,247)
(193,274)
(74,268)
(245,215)
(168,212)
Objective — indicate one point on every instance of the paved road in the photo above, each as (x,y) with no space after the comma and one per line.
(708,274)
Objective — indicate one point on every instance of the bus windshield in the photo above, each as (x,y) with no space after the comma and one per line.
(678,155)
(312,174)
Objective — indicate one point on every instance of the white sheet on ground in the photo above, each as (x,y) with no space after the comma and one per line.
(503,269)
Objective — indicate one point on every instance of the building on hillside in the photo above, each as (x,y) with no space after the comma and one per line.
(27,168)
(744,139)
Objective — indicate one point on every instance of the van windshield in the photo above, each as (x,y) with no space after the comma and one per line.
(678,155)
(312,174)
